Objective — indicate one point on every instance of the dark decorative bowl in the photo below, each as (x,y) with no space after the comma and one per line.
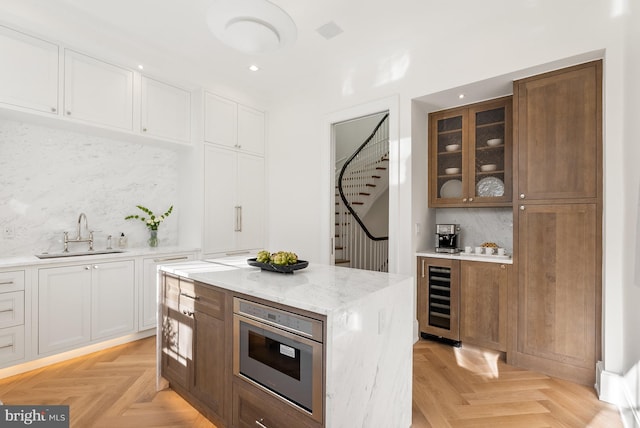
(278,268)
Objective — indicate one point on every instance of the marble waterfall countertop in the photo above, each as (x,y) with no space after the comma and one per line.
(317,288)
(369,331)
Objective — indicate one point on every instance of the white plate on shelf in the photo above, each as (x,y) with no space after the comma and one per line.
(451,189)
(490,186)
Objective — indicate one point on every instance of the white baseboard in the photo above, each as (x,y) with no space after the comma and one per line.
(612,388)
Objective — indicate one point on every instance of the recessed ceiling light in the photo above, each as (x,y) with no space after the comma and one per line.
(461,96)
(140,67)
(254,67)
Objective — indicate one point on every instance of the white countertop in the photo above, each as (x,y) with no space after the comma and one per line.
(318,288)
(506,259)
(32,260)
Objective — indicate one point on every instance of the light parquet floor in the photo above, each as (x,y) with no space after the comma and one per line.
(452,388)
(469,387)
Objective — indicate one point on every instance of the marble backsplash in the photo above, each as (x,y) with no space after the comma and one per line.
(480,225)
(48,176)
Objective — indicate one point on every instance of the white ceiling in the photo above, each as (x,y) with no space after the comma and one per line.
(170,37)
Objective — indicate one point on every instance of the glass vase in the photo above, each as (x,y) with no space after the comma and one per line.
(153,238)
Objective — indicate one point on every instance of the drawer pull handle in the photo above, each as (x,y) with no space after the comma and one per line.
(6,310)
(6,283)
(260,424)
(170,259)
(190,296)
(7,346)
(187,313)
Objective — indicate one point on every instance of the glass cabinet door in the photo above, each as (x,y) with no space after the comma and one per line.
(448,164)
(490,156)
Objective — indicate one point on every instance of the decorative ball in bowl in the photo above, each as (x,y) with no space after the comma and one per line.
(452,147)
(451,171)
(494,142)
(488,167)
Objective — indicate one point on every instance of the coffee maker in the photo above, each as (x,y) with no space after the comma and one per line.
(447,238)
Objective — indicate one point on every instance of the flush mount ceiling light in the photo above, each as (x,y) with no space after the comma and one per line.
(251,26)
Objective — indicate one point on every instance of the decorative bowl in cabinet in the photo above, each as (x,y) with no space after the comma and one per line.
(494,142)
(451,171)
(452,147)
(488,167)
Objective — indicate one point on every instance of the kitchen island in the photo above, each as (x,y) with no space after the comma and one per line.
(368,333)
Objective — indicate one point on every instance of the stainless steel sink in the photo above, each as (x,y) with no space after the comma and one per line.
(76,253)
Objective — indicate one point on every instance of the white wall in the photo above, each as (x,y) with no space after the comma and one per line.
(631,192)
(490,39)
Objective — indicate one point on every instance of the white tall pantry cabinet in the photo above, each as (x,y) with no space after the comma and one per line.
(234,177)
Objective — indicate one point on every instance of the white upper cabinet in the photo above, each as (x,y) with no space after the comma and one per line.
(250,130)
(221,121)
(29,72)
(165,110)
(97,92)
(233,125)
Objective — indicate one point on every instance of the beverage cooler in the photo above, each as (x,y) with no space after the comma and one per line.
(438,299)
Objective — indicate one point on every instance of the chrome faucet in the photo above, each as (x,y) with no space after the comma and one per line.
(78,237)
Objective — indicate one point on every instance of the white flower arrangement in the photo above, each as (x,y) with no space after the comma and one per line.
(152,222)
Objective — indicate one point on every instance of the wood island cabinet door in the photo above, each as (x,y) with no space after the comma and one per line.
(483,304)
(558,134)
(559,278)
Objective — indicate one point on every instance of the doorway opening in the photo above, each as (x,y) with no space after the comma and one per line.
(361,192)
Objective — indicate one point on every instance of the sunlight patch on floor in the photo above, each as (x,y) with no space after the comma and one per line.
(483,363)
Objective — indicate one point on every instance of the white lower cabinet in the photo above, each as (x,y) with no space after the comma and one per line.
(148,317)
(81,303)
(12,315)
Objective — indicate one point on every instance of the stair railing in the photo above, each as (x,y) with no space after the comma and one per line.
(359,245)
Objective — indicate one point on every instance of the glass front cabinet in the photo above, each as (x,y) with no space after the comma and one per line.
(470,155)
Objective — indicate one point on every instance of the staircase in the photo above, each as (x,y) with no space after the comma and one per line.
(362,179)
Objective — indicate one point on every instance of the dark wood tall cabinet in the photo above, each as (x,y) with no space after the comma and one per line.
(556,307)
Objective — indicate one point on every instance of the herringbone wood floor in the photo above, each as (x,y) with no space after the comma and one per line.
(452,388)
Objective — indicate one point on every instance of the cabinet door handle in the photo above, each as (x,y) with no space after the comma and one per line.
(53,109)
(170,259)
(68,113)
(96,266)
(7,346)
(260,424)
(522,196)
(187,313)
(422,268)
(521,207)
(144,129)
(470,199)
(464,199)
(238,225)
(190,296)
(87,268)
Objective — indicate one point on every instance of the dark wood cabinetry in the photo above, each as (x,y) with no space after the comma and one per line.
(464,301)
(558,223)
(254,408)
(470,155)
(558,134)
(483,304)
(196,358)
